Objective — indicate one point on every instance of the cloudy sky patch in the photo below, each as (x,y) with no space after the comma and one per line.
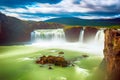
(47,9)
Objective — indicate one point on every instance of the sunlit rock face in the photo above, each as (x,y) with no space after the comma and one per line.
(112,53)
(89,34)
(72,34)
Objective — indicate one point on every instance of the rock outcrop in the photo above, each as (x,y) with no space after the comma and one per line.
(72,34)
(112,54)
(89,34)
(56,60)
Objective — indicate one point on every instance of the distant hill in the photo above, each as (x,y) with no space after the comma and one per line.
(16,30)
(85,22)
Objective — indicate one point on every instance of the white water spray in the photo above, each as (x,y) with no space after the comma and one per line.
(55,38)
(99,36)
(81,36)
(48,35)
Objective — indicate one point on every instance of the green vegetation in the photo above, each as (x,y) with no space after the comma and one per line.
(18,63)
(77,26)
(66,27)
(115,27)
(85,22)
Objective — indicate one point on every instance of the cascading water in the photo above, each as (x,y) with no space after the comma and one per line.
(55,38)
(32,36)
(48,35)
(81,36)
(99,40)
(99,37)
(96,45)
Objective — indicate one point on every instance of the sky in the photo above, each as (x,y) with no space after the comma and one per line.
(40,10)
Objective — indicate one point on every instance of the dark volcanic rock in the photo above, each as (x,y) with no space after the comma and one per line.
(112,54)
(72,34)
(89,34)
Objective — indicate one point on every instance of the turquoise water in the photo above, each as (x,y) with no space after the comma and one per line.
(18,63)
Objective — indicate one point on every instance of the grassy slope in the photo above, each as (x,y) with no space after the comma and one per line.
(18,63)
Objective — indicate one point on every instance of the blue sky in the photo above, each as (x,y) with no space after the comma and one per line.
(40,10)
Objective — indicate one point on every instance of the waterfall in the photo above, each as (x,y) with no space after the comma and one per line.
(48,35)
(99,40)
(55,38)
(99,37)
(32,36)
(81,36)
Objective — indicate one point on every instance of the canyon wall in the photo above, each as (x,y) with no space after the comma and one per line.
(112,54)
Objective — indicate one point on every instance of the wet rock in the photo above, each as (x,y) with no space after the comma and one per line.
(85,56)
(50,67)
(72,34)
(61,52)
(89,34)
(58,61)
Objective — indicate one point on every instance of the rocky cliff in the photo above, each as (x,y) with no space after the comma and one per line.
(72,34)
(89,34)
(112,54)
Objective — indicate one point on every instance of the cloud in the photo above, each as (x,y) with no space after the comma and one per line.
(102,5)
(28,16)
(36,18)
(46,9)
(22,3)
(98,17)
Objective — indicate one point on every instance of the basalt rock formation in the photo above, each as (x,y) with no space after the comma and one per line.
(112,54)
(72,34)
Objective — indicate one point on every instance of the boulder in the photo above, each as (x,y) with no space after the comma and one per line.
(56,60)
